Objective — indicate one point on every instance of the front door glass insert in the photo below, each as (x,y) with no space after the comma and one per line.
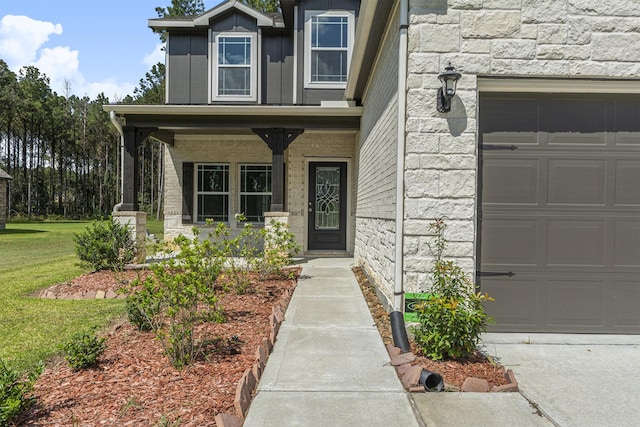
(327,198)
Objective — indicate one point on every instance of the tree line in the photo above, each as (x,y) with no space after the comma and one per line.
(62,151)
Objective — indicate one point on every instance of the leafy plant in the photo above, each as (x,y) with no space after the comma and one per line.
(83,350)
(279,248)
(452,318)
(143,306)
(178,296)
(105,245)
(14,393)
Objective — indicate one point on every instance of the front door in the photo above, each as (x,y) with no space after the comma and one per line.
(327,206)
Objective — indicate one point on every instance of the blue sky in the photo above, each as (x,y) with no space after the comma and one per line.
(97,46)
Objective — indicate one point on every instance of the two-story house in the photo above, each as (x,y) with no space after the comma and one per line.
(330,115)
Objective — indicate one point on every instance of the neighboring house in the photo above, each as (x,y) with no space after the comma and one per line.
(4,194)
(325,115)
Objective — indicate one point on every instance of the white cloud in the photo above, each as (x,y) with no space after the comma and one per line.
(21,37)
(154,57)
(21,41)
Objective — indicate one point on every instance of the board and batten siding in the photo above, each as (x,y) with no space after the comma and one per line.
(187,69)
(377,157)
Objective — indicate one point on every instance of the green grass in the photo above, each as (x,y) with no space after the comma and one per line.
(34,256)
(156,227)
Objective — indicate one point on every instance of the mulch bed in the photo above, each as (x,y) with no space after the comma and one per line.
(453,371)
(135,384)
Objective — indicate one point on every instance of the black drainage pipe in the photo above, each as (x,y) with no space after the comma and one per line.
(431,381)
(398,331)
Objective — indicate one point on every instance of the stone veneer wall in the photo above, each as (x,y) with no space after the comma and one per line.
(238,150)
(498,38)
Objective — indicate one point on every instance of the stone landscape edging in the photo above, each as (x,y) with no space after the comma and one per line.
(246,387)
(409,375)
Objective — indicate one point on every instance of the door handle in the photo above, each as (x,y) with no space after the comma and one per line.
(495,273)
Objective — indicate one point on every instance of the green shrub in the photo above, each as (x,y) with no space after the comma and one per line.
(143,306)
(452,318)
(105,245)
(14,393)
(279,248)
(180,295)
(83,350)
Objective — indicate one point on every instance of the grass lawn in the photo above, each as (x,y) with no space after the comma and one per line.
(35,256)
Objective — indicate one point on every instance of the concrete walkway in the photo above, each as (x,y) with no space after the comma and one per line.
(329,366)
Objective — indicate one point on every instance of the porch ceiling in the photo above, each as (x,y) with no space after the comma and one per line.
(171,120)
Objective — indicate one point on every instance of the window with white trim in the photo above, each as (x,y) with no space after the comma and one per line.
(212,192)
(328,44)
(255,191)
(235,67)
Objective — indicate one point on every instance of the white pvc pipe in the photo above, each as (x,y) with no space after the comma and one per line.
(402,109)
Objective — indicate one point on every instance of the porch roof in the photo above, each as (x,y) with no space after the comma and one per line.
(171,120)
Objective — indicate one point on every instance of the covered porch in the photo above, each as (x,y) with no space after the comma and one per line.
(291,144)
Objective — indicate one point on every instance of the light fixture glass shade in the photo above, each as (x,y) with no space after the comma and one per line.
(449,79)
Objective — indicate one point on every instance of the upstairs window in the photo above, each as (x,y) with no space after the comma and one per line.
(328,45)
(235,67)
(255,191)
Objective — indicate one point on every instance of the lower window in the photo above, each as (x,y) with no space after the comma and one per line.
(255,191)
(213,193)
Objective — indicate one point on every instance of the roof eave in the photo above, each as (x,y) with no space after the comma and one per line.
(235,110)
(372,22)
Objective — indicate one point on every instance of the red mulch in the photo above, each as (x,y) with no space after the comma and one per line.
(136,385)
(453,372)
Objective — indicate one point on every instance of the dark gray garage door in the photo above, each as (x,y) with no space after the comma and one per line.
(559,212)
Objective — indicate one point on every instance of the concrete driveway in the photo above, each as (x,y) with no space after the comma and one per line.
(575,380)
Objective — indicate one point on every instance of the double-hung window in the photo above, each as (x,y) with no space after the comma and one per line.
(235,65)
(255,191)
(212,196)
(328,44)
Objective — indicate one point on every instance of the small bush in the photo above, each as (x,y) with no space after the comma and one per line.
(452,319)
(83,350)
(279,248)
(179,296)
(143,306)
(14,393)
(105,245)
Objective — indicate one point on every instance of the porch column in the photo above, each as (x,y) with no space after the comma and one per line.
(278,140)
(127,213)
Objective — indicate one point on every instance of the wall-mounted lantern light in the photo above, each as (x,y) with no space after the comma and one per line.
(449,79)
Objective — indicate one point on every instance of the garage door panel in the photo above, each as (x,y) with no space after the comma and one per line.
(623,298)
(509,181)
(573,120)
(517,302)
(510,242)
(575,243)
(512,121)
(627,244)
(627,185)
(627,122)
(563,215)
(575,303)
(576,182)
